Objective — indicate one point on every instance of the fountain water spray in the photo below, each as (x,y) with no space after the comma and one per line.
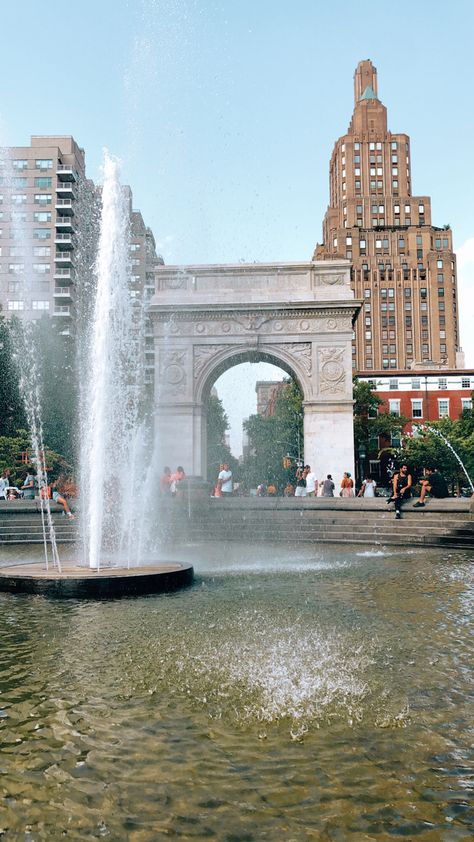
(111,399)
(448,444)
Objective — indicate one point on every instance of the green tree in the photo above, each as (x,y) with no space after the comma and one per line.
(427,448)
(13,450)
(217,451)
(12,410)
(271,438)
(373,428)
(57,372)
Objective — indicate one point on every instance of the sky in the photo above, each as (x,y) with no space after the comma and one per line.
(224,114)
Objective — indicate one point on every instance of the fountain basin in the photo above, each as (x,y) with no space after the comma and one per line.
(79,582)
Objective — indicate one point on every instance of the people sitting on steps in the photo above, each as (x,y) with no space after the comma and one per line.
(401,489)
(434,484)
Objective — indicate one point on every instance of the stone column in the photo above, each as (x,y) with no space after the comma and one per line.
(329,438)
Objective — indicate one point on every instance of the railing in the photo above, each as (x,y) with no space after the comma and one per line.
(63,273)
(62,310)
(65,238)
(62,291)
(63,220)
(64,203)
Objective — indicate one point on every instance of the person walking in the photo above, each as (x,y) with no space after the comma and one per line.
(328,486)
(401,484)
(165,482)
(368,487)
(311,482)
(224,480)
(300,490)
(347,485)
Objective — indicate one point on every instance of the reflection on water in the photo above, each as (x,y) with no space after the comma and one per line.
(289,695)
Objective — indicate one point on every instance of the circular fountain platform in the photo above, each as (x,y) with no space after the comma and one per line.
(78,582)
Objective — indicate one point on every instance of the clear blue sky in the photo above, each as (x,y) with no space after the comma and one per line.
(225,113)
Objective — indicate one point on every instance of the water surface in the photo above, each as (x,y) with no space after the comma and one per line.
(290,694)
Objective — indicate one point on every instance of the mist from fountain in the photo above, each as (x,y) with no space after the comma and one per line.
(112,434)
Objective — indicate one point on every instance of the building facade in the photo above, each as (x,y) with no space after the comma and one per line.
(49,230)
(403,267)
(424,396)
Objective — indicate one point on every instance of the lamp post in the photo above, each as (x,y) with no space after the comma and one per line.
(362,458)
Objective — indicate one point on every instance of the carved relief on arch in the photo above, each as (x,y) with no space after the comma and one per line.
(172,372)
(301,351)
(331,370)
(203,354)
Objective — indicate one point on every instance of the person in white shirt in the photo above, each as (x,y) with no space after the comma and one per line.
(311,482)
(368,488)
(224,480)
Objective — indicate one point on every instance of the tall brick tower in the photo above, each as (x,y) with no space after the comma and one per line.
(403,267)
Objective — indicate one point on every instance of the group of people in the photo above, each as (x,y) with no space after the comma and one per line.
(433,484)
(169,481)
(307,485)
(52,491)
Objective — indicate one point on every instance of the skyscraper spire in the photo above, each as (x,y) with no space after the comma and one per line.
(365,81)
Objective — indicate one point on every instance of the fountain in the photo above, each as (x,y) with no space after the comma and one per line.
(113,436)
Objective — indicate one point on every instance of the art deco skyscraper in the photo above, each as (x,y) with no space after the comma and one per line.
(403,267)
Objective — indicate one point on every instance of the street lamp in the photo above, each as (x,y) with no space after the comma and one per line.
(362,458)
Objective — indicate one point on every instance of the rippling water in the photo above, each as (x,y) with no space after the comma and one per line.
(289,695)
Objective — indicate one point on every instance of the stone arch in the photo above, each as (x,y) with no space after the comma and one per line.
(298,316)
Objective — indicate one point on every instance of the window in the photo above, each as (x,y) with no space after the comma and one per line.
(394,144)
(440,292)
(42,216)
(42,268)
(334,242)
(407,292)
(42,198)
(393,384)
(466,383)
(41,233)
(44,164)
(394,407)
(16,305)
(417,408)
(135,247)
(466,403)
(40,305)
(20,182)
(18,198)
(367,293)
(445,244)
(440,277)
(20,164)
(442,383)
(421,208)
(42,251)
(443,407)
(43,182)
(18,216)
(356,145)
(16,268)
(348,240)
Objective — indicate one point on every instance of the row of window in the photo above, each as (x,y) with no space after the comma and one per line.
(19,268)
(373,145)
(417,407)
(416,382)
(43,182)
(19,251)
(23,163)
(35,305)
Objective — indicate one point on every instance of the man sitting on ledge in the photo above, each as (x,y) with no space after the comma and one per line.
(434,484)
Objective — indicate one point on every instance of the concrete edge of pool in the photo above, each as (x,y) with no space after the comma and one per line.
(76,582)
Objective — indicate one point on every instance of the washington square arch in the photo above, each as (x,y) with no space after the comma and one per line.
(298,316)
